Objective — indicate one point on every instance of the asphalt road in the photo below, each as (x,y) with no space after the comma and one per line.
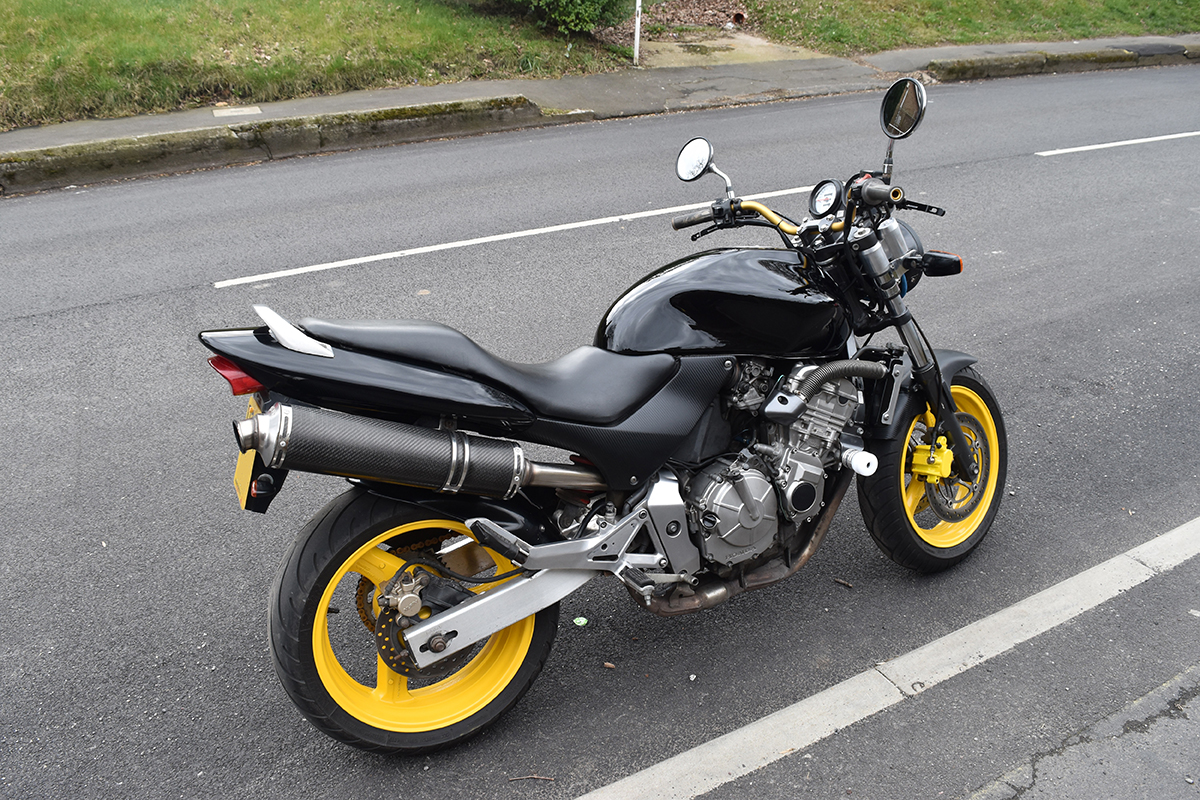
(133,658)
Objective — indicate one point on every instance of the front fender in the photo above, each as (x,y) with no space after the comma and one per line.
(950,362)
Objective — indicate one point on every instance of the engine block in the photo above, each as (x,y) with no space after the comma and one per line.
(814,443)
(734,502)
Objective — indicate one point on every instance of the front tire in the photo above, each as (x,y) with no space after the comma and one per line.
(324,612)
(931,526)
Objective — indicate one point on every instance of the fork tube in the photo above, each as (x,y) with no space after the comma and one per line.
(925,367)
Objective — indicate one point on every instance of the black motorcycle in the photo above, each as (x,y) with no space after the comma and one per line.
(716,422)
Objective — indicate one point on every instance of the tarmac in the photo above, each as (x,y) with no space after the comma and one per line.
(733,69)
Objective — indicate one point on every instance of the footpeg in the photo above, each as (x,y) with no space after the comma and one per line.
(489,534)
(638,582)
(606,550)
(634,577)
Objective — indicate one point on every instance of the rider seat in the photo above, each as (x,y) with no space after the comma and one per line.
(587,385)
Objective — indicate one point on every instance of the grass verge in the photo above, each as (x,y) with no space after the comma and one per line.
(841,28)
(73,59)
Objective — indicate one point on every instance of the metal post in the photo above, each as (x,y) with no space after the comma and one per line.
(637,31)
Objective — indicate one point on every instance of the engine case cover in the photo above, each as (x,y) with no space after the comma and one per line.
(728,531)
(805,476)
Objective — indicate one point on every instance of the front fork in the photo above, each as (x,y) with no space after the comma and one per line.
(925,367)
(938,391)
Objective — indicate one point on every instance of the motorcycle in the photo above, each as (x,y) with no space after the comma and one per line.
(716,423)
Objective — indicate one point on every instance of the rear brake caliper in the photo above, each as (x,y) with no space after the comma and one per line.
(408,598)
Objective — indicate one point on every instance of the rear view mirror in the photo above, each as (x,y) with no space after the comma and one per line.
(695,159)
(903,108)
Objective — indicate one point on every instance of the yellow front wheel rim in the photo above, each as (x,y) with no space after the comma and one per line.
(939,533)
(390,704)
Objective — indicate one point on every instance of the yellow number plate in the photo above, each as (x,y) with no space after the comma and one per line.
(249,466)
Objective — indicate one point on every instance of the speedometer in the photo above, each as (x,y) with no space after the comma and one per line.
(825,199)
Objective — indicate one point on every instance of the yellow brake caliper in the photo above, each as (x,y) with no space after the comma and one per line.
(932,463)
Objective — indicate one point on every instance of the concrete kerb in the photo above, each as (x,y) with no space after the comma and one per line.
(248,142)
(117,157)
(1038,61)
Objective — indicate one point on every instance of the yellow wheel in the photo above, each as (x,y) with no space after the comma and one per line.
(920,512)
(342,660)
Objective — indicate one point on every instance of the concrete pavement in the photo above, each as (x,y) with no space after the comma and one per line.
(739,69)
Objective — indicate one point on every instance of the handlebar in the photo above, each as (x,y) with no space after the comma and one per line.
(770,216)
(875,192)
(695,218)
(737,207)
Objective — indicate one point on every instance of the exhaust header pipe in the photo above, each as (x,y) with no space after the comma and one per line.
(331,443)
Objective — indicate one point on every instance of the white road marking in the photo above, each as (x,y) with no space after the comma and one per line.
(1117,144)
(790,730)
(500,237)
(240,111)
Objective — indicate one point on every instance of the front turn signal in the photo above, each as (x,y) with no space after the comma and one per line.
(937,262)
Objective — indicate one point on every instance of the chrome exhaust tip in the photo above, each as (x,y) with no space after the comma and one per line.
(246,433)
(266,432)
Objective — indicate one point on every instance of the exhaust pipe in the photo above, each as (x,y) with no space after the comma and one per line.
(331,443)
(714,592)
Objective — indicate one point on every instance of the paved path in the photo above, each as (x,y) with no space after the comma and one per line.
(75,153)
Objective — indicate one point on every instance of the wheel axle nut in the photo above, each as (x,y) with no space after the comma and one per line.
(437,644)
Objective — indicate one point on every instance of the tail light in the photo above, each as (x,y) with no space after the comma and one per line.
(239,381)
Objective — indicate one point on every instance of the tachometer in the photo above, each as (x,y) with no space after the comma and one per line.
(826,198)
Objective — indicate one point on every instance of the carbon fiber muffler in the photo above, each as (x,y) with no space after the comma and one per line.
(331,443)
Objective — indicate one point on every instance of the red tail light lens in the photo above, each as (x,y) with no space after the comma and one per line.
(239,381)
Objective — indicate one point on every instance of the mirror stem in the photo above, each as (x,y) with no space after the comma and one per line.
(887,163)
(728,183)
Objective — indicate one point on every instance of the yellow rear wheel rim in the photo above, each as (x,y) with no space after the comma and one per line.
(390,704)
(942,534)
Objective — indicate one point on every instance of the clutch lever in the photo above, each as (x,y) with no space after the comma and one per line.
(906,203)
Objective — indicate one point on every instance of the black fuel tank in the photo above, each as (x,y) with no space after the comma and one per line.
(745,301)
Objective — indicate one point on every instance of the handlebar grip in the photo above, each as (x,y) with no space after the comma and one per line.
(688,220)
(875,192)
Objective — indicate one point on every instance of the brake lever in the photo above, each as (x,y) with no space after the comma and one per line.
(706,232)
(906,203)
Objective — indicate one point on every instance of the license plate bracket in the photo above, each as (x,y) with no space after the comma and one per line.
(256,483)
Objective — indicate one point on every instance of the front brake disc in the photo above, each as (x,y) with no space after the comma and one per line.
(954,499)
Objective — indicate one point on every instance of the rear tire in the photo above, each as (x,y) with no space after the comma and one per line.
(896,504)
(326,655)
